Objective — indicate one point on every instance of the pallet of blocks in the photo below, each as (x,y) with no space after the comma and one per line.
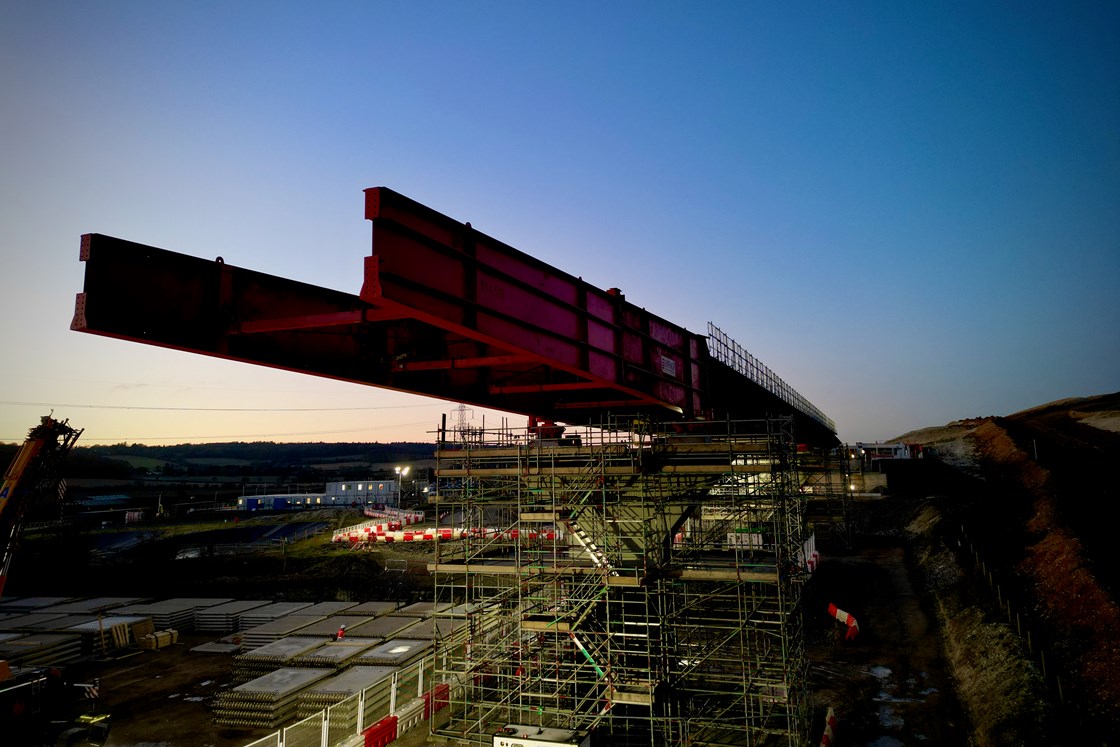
(266,702)
(158,639)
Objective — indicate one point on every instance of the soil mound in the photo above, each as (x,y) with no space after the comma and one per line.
(1044,517)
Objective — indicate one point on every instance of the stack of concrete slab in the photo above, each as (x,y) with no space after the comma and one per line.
(224,618)
(64,624)
(276,655)
(107,632)
(268,701)
(25,605)
(94,606)
(337,654)
(373,609)
(383,627)
(340,687)
(281,627)
(436,628)
(396,653)
(261,615)
(424,609)
(30,622)
(329,626)
(171,613)
(41,649)
(328,608)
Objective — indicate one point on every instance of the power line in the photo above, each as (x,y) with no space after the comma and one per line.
(141,439)
(213,409)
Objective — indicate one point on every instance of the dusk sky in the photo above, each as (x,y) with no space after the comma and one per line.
(909,211)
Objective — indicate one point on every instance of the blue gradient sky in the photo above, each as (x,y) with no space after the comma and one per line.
(910,212)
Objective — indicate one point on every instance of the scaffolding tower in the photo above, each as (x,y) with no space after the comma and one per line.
(636,582)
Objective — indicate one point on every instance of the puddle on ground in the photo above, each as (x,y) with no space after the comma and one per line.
(888,719)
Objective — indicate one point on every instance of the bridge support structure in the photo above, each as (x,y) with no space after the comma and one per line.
(637,581)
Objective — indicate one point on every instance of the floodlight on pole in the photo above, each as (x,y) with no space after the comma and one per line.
(401,472)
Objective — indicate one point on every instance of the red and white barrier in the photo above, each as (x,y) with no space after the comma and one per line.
(807,556)
(844,618)
(394,532)
(395,514)
(829,728)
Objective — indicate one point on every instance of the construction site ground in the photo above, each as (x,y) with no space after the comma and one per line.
(942,655)
(888,686)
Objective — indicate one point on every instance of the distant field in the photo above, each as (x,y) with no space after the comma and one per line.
(339,465)
(140,462)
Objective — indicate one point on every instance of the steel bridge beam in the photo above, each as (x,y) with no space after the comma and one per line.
(444,311)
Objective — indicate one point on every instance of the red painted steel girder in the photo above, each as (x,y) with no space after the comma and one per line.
(569,345)
(444,311)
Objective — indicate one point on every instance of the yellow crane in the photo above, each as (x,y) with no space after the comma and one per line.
(33,471)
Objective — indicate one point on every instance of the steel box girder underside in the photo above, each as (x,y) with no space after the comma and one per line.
(444,311)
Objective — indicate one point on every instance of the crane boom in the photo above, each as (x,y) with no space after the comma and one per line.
(33,470)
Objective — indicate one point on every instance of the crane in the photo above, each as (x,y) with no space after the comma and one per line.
(33,471)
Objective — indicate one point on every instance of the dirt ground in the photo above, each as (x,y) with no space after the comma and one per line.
(889,685)
(164,698)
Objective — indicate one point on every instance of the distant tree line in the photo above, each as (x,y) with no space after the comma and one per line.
(288,460)
(269,452)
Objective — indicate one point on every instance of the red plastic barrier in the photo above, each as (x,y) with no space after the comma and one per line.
(829,728)
(436,699)
(381,733)
(844,618)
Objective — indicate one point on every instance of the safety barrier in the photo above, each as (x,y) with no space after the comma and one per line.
(844,618)
(370,532)
(409,715)
(381,733)
(829,728)
(272,740)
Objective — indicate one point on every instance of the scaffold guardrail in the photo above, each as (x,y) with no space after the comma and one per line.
(727,351)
